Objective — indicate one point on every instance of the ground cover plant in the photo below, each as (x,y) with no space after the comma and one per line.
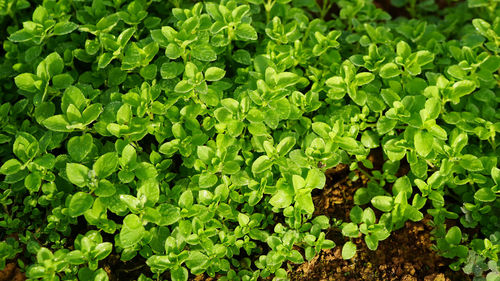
(193,134)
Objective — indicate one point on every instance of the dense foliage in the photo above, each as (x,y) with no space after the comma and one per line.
(193,134)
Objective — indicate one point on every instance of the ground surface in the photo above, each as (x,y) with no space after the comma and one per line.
(406,255)
(11,273)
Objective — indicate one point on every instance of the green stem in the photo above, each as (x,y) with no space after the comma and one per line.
(268,6)
(326,7)
(370,177)
(412,9)
(6,210)
(45,91)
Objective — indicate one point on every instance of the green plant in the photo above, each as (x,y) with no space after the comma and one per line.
(194,134)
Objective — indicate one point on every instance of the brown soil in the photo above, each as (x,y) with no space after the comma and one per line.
(131,270)
(11,273)
(405,255)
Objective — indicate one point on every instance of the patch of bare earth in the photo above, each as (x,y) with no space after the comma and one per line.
(406,255)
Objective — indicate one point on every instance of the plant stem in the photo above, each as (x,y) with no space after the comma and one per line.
(268,6)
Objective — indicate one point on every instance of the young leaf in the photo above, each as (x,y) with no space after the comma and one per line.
(78,174)
(245,32)
(348,250)
(261,164)
(106,165)
(214,74)
(80,147)
(389,70)
(62,28)
(79,204)
(423,142)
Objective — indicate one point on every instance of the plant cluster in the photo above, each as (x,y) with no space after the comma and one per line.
(193,134)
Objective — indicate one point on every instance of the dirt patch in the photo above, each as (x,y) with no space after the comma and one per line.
(11,273)
(405,255)
(130,270)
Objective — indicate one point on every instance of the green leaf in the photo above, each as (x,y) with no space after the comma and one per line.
(286,79)
(54,64)
(363,78)
(371,242)
(432,109)
(481,25)
(485,194)
(75,257)
(231,167)
(101,251)
(282,198)
(150,191)
(243,219)
(132,231)
(348,250)
(186,199)
(350,230)
(26,82)
(424,57)
(389,70)
(173,51)
(40,14)
(383,203)
(78,174)
(179,274)
(80,147)
(285,145)
(73,95)
(315,179)
(79,203)
(196,261)
(462,88)
(403,49)
(385,125)
(261,164)
(471,163)
(101,275)
(242,56)
(105,189)
(10,167)
(91,113)
(245,32)
(495,175)
(214,74)
(171,70)
(223,115)
(62,28)
(207,180)
(356,214)
(21,36)
(106,165)
(148,72)
(454,235)
(304,201)
(62,81)
(183,87)
(203,53)
(402,184)
(104,60)
(361,196)
(423,142)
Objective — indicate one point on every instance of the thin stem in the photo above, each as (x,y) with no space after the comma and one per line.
(45,91)
(6,210)
(268,6)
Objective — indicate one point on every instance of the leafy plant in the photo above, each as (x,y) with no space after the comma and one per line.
(193,135)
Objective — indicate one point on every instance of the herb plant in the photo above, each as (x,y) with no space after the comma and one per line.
(193,134)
